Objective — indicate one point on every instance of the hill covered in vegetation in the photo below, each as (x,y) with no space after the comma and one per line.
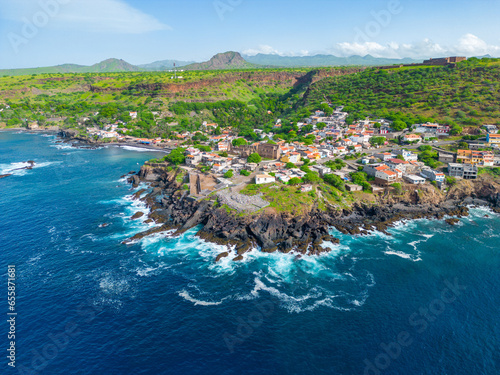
(467,95)
(106,66)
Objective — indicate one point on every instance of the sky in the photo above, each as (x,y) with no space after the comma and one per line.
(37,33)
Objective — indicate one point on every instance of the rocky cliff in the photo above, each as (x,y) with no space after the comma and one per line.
(221,61)
(173,209)
(261,78)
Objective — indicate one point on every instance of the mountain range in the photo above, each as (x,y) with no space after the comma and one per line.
(226,60)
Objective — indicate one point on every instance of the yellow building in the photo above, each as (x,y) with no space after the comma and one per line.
(475,157)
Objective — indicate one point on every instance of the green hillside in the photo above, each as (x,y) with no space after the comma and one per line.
(324,60)
(468,94)
(109,65)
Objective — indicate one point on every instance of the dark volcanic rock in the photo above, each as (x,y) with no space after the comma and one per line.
(170,205)
(452,221)
(221,255)
(137,215)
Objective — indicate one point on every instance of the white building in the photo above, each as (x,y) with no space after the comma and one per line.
(264,179)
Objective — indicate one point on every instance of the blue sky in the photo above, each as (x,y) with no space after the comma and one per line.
(49,32)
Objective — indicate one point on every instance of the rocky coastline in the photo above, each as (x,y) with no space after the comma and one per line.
(174,211)
(72,136)
(31,165)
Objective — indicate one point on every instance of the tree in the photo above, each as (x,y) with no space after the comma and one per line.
(239,142)
(358,178)
(312,177)
(244,172)
(399,125)
(203,148)
(305,168)
(456,129)
(199,137)
(228,174)
(289,165)
(254,158)
(294,181)
(335,181)
(320,125)
(176,156)
(377,141)
(397,188)
(224,154)
(463,145)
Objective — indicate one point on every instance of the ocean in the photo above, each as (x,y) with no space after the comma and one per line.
(424,300)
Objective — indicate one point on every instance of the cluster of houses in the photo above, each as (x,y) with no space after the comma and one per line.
(331,137)
(401,165)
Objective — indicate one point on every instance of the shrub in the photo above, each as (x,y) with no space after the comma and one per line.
(228,174)
(312,177)
(335,181)
(254,158)
(244,172)
(398,188)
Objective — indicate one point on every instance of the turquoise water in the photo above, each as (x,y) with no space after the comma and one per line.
(89,305)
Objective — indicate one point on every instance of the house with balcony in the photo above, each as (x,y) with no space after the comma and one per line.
(412,138)
(402,165)
(384,156)
(493,139)
(372,169)
(407,155)
(432,175)
(385,177)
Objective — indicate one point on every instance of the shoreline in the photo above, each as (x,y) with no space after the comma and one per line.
(301,235)
(70,139)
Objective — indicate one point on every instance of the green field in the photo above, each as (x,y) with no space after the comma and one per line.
(467,95)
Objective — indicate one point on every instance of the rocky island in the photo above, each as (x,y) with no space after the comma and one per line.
(305,233)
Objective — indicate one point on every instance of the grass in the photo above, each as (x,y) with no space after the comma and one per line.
(493,171)
(285,198)
(468,94)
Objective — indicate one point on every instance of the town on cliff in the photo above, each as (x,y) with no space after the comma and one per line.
(281,195)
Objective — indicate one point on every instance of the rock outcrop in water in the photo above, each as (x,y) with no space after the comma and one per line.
(171,207)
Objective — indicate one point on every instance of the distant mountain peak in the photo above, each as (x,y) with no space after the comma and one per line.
(225,60)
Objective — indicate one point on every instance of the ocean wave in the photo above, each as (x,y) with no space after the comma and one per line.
(184,294)
(63,146)
(138,149)
(401,254)
(15,168)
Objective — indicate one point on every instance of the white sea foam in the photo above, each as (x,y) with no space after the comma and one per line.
(15,169)
(414,258)
(138,149)
(63,146)
(184,294)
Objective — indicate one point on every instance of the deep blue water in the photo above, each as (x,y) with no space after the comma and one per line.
(162,306)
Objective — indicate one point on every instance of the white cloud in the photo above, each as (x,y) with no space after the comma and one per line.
(112,16)
(471,45)
(468,45)
(268,50)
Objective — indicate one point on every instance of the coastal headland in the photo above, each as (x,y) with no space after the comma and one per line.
(307,233)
